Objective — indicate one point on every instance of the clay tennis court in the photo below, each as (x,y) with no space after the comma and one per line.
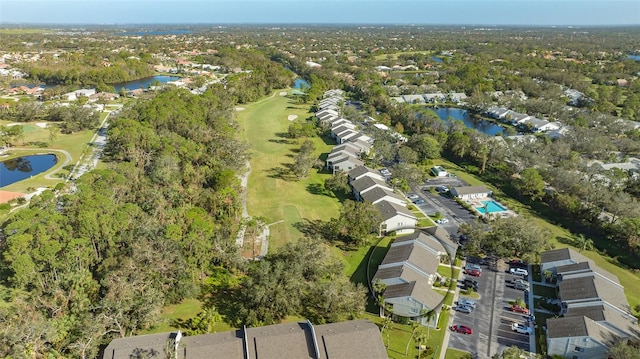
(6,196)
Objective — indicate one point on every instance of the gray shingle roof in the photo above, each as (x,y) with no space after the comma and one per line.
(438,242)
(584,288)
(586,268)
(417,290)
(415,254)
(379,193)
(470,190)
(385,208)
(562,254)
(578,327)
(365,183)
(289,340)
(356,339)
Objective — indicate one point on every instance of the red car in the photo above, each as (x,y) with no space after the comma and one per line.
(462,329)
(519,309)
(473,272)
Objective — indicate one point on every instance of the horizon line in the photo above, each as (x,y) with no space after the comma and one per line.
(311,24)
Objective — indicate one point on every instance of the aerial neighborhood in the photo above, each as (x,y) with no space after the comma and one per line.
(401,191)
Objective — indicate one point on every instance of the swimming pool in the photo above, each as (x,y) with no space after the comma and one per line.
(491,207)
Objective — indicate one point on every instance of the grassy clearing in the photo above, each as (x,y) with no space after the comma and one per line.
(273,193)
(20,31)
(173,315)
(456,354)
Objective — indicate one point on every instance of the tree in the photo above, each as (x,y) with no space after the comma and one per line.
(414,330)
(387,325)
(54,131)
(583,243)
(429,316)
(530,184)
(338,183)
(624,349)
(357,221)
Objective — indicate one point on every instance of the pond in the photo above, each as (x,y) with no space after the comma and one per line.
(436,59)
(300,83)
(634,57)
(19,168)
(488,128)
(143,83)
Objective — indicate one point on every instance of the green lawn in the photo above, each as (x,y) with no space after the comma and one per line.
(456,354)
(273,193)
(544,291)
(75,144)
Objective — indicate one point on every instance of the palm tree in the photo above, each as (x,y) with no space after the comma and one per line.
(421,339)
(584,243)
(429,315)
(414,329)
(387,324)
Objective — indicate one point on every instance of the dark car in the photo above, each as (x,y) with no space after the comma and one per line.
(419,201)
(470,283)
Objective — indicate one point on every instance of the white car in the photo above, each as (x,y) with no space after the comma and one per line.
(519,271)
(413,196)
(463,309)
(442,221)
(520,328)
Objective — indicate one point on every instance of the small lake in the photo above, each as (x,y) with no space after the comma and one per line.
(485,127)
(300,83)
(436,59)
(19,168)
(634,57)
(143,83)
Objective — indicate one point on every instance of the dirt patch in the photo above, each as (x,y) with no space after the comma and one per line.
(283,93)
(41,124)
(292,117)
(6,196)
(239,108)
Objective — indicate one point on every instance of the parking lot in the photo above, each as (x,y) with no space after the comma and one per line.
(450,209)
(491,320)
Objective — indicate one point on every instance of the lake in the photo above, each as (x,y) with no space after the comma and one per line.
(19,168)
(436,59)
(485,127)
(300,83)
(143,83)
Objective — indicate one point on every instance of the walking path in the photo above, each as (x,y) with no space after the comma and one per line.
(447,332)
(263,237)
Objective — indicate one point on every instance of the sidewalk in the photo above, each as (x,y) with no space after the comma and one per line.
(532,338)
(447,333)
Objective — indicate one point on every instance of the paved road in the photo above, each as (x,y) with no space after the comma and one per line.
(49,175)
(491,320)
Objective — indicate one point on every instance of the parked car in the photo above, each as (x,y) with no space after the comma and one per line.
(441,189)
(462,329)
(519,309)
(442,221)
(519,271)
(473,272)
(413,196)
(463,309)
(467,303)
(521,328)
(517,263)
(521,286)
(470,283)
(473,266)
(419,201)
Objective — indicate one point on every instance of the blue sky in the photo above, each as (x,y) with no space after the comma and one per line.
(436,12)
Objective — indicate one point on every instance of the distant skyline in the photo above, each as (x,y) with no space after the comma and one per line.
(424,12)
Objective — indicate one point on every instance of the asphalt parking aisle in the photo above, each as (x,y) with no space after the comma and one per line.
(503,336)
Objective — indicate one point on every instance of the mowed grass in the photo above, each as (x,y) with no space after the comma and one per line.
(175,314)
(273,192)
(456,354)
(560,237)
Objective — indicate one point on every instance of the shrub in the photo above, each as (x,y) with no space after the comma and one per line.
(22,200)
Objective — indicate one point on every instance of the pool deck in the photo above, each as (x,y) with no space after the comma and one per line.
(478,203)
